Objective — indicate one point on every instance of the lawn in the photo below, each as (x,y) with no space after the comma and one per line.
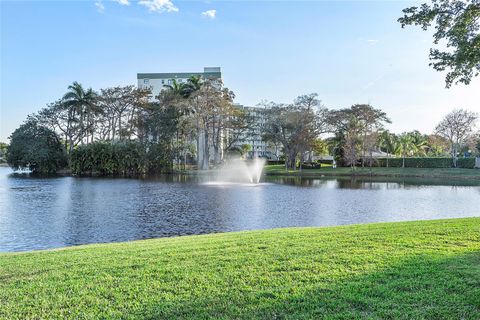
(412,270)
(455,173)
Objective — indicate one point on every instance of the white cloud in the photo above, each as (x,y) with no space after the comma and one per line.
(210,14)
(100,7)
(159,5)
(123,2)
(372,41)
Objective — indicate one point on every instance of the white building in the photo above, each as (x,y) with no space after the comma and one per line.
(259,148)
(156,81)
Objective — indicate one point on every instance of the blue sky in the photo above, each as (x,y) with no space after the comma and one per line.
(347,52)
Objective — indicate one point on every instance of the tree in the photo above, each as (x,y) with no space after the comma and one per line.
(295,126)
(36,148)
(405,146)
(437,145)
(211,106)
(3,151)
(419,143)
(240,126)
(351,143)
(319,147)
(194,83)
(176,88)
(368,122)
(61,118)
(387,142)
(82,103)
(457,23)
(457,127)
(244,149)
(123,109)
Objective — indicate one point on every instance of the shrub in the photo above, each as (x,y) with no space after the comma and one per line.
(129,158)
(311,165)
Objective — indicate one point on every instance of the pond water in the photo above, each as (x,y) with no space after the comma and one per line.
(41,213)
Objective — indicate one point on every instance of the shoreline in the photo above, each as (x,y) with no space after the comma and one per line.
(232,233)
(275,171)
(434,173)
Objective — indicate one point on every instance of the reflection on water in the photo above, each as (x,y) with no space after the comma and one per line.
(372,182)
(38,213)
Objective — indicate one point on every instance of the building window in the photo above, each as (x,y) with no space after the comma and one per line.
(163,81)
(146,81)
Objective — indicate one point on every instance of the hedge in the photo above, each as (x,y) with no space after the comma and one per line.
(468,163)
(275,162)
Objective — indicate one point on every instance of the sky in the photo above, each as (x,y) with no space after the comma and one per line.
(346,51)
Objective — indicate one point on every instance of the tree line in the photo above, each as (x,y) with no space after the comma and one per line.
(357,135)
(185,122)
(125,131)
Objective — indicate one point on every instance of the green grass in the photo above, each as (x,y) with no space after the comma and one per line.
(456,173)
(413,270)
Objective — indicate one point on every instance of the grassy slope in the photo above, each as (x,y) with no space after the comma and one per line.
(428,269)
(456,173)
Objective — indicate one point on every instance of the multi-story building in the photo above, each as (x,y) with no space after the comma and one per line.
(258,147)
(157,81)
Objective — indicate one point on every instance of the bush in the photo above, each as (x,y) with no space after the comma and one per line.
(129,158)
(311,165)
(324,161)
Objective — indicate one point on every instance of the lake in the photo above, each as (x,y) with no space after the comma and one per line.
(42,213)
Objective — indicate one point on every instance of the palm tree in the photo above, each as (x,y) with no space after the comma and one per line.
(405,146)
(193,84)
(421,143)
(388,143)
(176,88)
(81,102)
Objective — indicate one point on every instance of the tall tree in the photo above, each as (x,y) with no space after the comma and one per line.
(62,118)
(457,127)
(211,106)
(295,126)
(457,23)
(352,141)
(123,108)
(368,120)
(405,146)
(82,103)
(241,125)
(387,142)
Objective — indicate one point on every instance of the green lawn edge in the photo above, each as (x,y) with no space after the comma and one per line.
(440,173)
(405,270)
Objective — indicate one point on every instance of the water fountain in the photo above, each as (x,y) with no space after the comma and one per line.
(238,171)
